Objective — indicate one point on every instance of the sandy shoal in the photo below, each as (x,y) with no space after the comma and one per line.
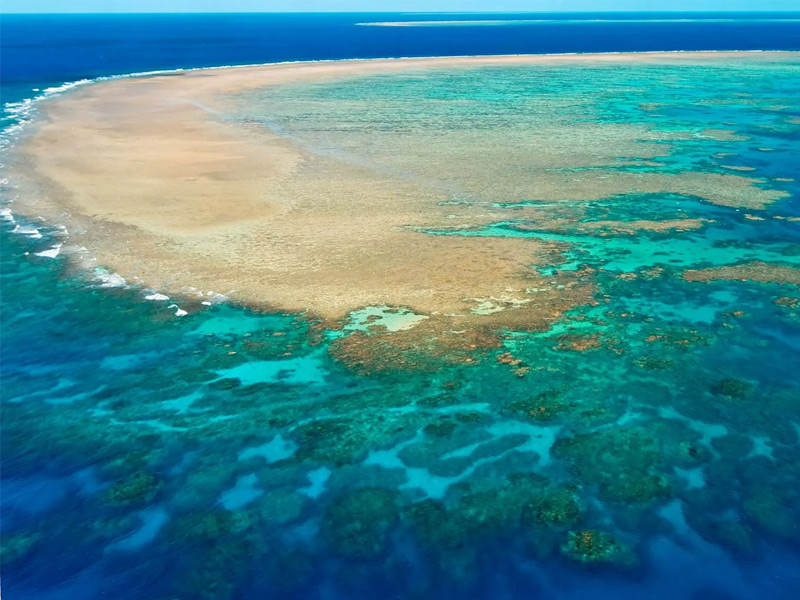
(149,176)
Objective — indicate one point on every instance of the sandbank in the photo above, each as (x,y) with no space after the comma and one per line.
(151,177)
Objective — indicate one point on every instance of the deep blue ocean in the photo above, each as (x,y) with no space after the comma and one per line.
(82,367)
(44,50)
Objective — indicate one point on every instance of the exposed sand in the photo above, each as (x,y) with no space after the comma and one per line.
(147,174)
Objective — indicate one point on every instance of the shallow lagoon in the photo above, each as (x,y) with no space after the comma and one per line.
(646,445)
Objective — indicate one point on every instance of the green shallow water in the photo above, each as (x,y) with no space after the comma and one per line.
(650,447)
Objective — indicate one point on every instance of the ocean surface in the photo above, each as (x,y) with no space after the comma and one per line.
(646,446)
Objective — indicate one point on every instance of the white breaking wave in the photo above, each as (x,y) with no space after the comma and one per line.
(28,230)
(156,296)
(179,312)
(5,215)
(51,253)
(109,279)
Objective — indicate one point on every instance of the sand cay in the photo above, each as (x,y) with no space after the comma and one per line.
(161,182)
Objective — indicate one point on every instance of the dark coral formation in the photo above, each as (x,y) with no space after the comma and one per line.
(591,546)
(555,508)
(625,463)
(544,406)
(139,488)
(732,389)
(357,525)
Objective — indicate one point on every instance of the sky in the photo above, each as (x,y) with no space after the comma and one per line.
(78,6)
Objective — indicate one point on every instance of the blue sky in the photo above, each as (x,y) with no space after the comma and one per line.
(9,6)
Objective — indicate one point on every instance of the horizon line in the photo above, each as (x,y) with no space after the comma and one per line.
(394,12)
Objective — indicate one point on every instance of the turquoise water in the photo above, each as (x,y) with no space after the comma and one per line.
(649,450)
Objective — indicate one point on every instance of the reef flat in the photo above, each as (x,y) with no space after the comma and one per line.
(214,179)
(753,271)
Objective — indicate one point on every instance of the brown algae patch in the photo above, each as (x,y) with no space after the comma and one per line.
(429,347)
(606,228)
(634,227)
(462,339)
(751,271)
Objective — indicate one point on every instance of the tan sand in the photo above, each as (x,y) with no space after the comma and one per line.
(149,177)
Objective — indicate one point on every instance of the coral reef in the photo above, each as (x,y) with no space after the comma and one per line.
(751,271)
(16,547)
(591,546)
(436,527)
(554,508)
(624,463)
(139,488)
(544,406)
(357,524)
(732,389)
